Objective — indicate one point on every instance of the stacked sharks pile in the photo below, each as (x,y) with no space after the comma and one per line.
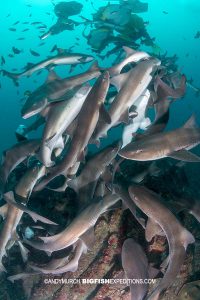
(77,112)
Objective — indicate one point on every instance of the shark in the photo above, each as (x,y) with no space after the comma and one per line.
(136,266)
(86,123)
(82,223)
(51,62)
(174,144)
(130,86)
(16,155)
(56,89)
(60,116)
(177,236)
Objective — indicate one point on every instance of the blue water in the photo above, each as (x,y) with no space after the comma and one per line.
(174,33)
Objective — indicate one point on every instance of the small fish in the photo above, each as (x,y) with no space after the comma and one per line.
(21,39)
(26,29)
(34,53)
(42,27)
(12,29)
(25,23)
(11,55)
(165,12)
(197,36)
(35,23)
(16,23)
(16,51)
(2,61)
(8,15)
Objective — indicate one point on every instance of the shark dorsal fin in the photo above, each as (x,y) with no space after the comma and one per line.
(52,76)
(128,51)
(191,122)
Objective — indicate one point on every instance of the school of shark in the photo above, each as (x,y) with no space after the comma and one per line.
(72,113)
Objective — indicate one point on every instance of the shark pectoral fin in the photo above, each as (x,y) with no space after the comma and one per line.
(52,76)
(24,251)
(49,239)
(191,122)
(186,238)
(184,155)
(73,184)
(88,238)
(104,114)
(152,229)
(124,118)
(20,276)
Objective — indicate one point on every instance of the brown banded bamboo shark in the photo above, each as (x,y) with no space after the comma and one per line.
(60,59)
(136,266)
(55,89)
(14,156)
(60,116)
(130,87)
(86,123)
(177,236)
(174,144)
(82,223)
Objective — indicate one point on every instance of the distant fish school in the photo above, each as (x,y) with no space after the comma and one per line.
(83,109)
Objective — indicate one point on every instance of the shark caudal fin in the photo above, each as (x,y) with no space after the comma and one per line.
(13,76)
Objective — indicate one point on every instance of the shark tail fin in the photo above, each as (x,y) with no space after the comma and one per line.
(12,76)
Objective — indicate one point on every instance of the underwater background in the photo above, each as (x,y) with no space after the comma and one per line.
(174,33)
